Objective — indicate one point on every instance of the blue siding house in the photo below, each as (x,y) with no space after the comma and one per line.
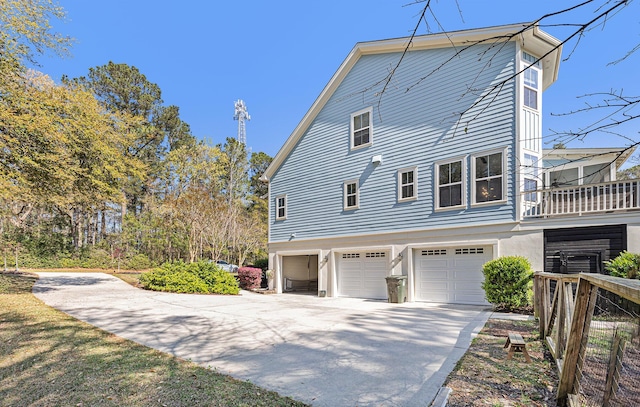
(425,168)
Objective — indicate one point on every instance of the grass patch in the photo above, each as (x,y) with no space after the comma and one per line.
(484,376)
(48,358)
(129,278)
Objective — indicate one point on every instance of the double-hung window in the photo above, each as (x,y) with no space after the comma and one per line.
(281,207)
(488,182)
(450,191)
(531,82)
(351,200)
(407,184)
(361,128)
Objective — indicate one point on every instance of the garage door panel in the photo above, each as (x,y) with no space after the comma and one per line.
(435,286)
(451,275)
(465,285)
(434,275)
(467,275)
(362,275)
(434,264)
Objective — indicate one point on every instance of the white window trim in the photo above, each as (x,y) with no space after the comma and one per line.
(352,130)
(463,180)
(532,172)
(278,207)
(344,195)
(413,169)
(504,177)
(529,65)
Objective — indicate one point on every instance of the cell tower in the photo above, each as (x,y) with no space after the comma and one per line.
(241,115)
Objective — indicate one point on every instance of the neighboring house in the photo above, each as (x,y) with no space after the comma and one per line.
(430,179)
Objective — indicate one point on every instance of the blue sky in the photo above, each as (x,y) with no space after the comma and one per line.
(277,56)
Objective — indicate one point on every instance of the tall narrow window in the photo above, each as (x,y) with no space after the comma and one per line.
(281,207)
(351,194)
(450,192)
(488,178)
(530,93)
(361,129)
(407,184)
(530,170)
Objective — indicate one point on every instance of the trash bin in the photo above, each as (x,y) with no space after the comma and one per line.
(396,289)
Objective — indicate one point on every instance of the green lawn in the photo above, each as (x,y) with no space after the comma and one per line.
(50,359)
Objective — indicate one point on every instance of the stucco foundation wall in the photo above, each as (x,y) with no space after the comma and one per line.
(526,244)
(633,238)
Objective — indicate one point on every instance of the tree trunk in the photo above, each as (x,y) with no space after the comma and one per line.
(103,224)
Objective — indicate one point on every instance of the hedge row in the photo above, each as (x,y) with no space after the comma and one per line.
(201,277)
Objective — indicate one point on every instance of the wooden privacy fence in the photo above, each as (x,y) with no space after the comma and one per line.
(591,325)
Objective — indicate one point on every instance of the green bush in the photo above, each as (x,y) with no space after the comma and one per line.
(138,262)
(507,281)
(262,263)
(625,265)
(201,277)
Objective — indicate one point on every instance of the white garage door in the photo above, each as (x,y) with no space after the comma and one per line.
(362,275)
(451,275)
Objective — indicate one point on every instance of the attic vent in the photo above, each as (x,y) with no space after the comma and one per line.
(351,255)
(376,254)
(470,250)
(434,252)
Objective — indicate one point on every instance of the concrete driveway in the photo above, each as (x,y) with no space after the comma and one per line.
(322,351)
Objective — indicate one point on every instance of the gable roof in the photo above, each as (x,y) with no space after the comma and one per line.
(532,39)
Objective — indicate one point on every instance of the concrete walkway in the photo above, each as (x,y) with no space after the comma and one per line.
(322,351)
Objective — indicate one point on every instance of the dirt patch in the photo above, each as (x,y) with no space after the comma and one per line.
(484,376)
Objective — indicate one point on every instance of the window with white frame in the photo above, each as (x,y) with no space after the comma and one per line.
(450,190)
(530,93)
(351,194)
(531,81)
(407,184)
(488,177)
(361,128)
(281,207)
(530,171)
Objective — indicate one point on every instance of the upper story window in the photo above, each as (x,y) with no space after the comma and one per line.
(531,88)
(361,128)
(450,191)
(488,177)
(531,81)
(351,200)
(281,207)
(530,59)
(407,184)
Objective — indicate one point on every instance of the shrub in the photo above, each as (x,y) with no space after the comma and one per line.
(179,277)
(218,280)
(249,277)
(262,263)
(173,281)
(625,265)
(507,281)
(138,262)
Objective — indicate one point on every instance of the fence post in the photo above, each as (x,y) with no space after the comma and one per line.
(583,310)
(613,372)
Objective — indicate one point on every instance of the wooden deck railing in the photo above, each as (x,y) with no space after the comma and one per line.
(582,199)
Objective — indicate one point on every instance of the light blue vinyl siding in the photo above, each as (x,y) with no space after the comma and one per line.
(410,128)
